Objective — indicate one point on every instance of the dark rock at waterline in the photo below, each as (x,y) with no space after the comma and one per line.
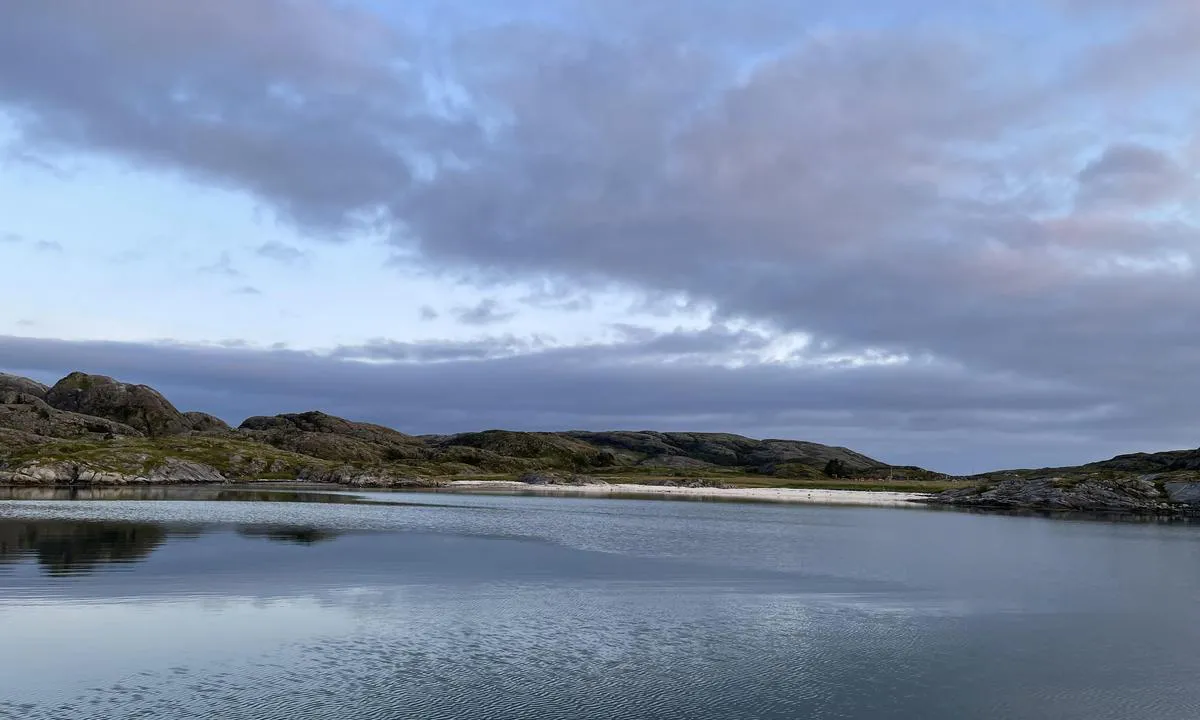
(66,472)
(543,478)
(1121,494)
(1187,493)
(691,483)
(376,477)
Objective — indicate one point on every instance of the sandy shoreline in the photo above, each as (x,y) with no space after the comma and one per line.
(783,495)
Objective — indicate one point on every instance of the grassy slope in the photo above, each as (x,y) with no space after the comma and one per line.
(501,455)
(246,459)
(131,455)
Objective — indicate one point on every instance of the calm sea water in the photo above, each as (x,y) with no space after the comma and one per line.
(255,605)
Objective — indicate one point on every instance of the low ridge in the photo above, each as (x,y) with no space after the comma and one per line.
(1156,483)
(96,429)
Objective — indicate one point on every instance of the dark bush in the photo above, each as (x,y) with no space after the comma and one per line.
(837,469)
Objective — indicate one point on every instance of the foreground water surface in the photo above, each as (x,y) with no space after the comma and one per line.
(220,603)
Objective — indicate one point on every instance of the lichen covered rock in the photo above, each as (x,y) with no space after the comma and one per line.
(138,406)
(1135,494)
(66,472)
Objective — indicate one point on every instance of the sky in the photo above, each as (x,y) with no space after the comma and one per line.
(958,235)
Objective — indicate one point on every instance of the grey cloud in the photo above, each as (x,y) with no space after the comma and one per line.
(27,158)
(1125,159)
(299,90)
(1159,44)
(10,237)
(863,188)
(281,252)
(708,341)
(1127,173)
(48,246)
(901,413)
(485,312)
(427,313)
(437,351)
(715,343)
(247,290)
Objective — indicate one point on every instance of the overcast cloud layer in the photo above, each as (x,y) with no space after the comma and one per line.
(959,238)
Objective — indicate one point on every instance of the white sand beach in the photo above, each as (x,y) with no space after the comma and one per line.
(783,495)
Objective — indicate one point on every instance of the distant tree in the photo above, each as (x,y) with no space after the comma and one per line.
(836,469)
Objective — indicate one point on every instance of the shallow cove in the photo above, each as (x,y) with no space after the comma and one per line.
(187,605)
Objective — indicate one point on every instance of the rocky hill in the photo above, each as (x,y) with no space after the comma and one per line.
(95,430)
(1156,483)
(92,429)
(137,406)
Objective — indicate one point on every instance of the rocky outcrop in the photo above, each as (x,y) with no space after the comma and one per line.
(689,483)
(695,450)
(327,446)
(319,422)
(64,472)
(333,438)
(544,478)
(559,449)
(90,429)
(203,422)
(1170,461)
(1134,494)
(18,440)
(22,385)
(138,406)
(28,414)
(377,477)
(1186,493)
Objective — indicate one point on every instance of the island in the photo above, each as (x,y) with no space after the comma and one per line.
(94,430)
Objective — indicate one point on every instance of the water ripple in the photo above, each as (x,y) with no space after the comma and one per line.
(538,608)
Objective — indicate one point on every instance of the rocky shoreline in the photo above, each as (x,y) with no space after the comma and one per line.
(93,430)
(1151,494)
(1162,495)
(173,471)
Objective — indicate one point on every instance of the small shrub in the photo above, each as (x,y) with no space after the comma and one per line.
(835,468)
